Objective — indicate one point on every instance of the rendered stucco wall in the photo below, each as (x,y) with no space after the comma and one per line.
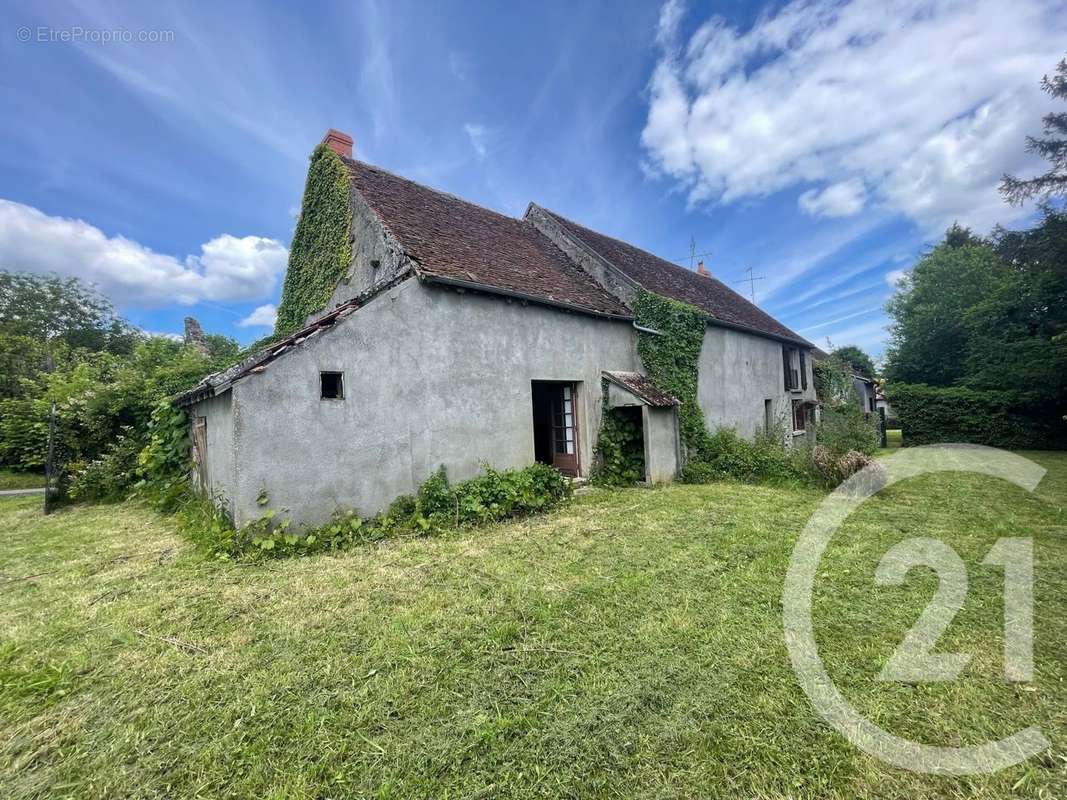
(662,438)
(370,243)
(738,373)
(865,393)
(430,377)
(220,443)
(661,444)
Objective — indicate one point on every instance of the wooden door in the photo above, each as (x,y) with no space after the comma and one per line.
(565,429)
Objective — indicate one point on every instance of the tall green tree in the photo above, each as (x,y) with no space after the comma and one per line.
(987,315)
(929,338)
(1052,148)
(856,358)
(50,307)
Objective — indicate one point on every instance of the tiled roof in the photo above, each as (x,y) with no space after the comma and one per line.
(642,387)
(455,240)
(662,277)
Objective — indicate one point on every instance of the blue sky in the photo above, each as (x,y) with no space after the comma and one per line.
(822,144)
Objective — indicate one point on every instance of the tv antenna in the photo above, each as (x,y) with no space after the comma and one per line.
(693,254)
(751,281)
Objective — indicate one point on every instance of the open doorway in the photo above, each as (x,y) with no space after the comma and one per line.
(555,424)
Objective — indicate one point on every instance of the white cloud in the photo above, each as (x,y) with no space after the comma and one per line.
(459,65)
(670,17)
(174,337)
(837,200)
(894,276)
(263,317)
(227,268)
(853,315)
(871,336)
(924,102)
(477,134)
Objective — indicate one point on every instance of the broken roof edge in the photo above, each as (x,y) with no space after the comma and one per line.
(219,383)
(642,387)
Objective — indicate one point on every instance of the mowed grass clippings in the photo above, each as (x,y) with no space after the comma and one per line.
(628,645)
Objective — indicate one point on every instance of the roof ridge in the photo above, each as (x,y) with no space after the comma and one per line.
(565,259)
(660,262)
(429,188)
(643,250)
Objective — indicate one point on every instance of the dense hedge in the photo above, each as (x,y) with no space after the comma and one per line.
(931,414)
(322,249)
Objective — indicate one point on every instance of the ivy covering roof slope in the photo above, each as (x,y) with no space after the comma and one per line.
(456,240)
(670,280)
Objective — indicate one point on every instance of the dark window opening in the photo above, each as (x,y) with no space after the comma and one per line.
(795,367)
(800,414)
(332,385)
(555,425)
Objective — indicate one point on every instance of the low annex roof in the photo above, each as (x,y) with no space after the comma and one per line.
(642,387)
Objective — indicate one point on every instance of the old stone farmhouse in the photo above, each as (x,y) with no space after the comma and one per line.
(460,336)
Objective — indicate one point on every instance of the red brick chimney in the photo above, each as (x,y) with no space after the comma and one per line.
(702,270)
(340,143)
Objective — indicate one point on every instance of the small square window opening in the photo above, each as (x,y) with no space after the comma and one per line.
(332,385)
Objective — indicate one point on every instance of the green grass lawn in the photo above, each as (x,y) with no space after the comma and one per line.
(20,480)
(628,645)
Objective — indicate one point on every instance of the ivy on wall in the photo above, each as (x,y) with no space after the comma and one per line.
(671,359)
(620,448)
(322,249)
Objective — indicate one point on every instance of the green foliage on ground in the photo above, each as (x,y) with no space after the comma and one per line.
(844,427)
(833,381)
(727,456)
(105,380)
(627,645)
(165,461)
(109,477)
(438,506)
(321,251)
(620,450)
(930,414)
